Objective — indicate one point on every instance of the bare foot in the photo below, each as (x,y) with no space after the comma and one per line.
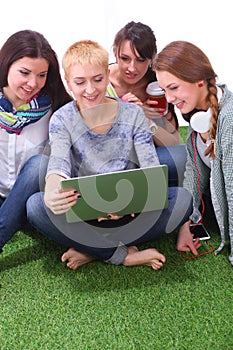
(148,257)
(75,258)
(132,249)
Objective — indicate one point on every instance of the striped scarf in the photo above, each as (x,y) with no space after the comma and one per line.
(13,121)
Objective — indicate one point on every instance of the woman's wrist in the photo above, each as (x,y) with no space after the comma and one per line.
(169,119)
(153,128)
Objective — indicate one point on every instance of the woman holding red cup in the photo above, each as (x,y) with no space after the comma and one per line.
(130,78)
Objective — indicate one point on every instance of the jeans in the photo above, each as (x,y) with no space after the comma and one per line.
(13,208)
(103,240)
(175,158)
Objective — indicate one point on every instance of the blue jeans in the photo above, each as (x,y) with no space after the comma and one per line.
(104,240)
(175,158)
(13,208)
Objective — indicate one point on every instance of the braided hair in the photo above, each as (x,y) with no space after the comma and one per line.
(189,63)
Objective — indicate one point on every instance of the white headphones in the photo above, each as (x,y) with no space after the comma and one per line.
(201,121)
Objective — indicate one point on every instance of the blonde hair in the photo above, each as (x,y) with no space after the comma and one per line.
(85,52)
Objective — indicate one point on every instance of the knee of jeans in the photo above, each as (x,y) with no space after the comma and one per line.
(37,159)
(180,210)
(31,206)
(36,165)
(181,199)
(187,199)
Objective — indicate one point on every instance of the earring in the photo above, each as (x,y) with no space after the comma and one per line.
(200,84)
(150,67)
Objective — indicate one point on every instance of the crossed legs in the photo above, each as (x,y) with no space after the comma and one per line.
(148,257)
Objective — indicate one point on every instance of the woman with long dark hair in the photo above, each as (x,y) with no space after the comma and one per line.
(135,48)
(31,89)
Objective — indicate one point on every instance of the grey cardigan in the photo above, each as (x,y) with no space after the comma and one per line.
(222,171)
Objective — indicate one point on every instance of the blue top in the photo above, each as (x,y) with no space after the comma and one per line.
(78,151)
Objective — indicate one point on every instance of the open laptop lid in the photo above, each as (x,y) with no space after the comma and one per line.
(120,193)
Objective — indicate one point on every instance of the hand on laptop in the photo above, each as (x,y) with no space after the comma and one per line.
(114,217)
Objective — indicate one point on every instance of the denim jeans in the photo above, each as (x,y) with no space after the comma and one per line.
(175,158)
(101,240)
(13,208)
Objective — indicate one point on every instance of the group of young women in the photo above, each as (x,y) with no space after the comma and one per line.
(47,136)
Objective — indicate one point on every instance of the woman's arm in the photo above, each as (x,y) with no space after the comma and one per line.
(166,133)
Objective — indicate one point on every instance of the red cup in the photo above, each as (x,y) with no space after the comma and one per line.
(155,93)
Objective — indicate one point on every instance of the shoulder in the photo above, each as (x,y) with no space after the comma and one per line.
(226,106)
(113,74)
(68,109)
(130,106)
(113,68)
(129,111)
(65,116)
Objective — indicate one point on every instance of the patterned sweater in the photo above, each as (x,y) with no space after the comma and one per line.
(77,151)
(221,173)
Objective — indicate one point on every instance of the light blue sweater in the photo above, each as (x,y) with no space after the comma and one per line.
(77,151)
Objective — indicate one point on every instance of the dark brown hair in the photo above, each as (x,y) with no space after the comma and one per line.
(28,43)
(142,40)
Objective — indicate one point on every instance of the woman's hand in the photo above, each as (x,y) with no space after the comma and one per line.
(114,217)
(150,110)
(185,241)
(57,200)
(129,97)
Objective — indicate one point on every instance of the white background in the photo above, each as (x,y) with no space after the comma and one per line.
(202,22)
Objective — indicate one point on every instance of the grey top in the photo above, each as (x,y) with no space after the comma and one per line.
(222,170)
(77,151)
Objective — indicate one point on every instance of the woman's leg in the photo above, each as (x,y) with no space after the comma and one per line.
(160,223)
(110,243)
(86,238)
(179,209)
(175,158)
(13,208)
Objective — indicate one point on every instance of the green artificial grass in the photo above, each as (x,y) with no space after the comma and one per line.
(46,306)
(183,133)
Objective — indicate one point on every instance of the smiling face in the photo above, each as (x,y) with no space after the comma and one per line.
(184,95)
(132,66)
(26,77)
(88,83)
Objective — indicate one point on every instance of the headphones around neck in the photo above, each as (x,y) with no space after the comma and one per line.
(200,121)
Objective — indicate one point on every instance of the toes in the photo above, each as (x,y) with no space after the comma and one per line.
(72,265)
(64,257)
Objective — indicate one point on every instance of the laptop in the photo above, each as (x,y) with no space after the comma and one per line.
(121,193)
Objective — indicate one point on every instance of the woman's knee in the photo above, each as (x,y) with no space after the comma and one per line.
(181,199)
(186,199)
(180,207)
(33,205)
(175,158)
(35,169)
(37,164)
